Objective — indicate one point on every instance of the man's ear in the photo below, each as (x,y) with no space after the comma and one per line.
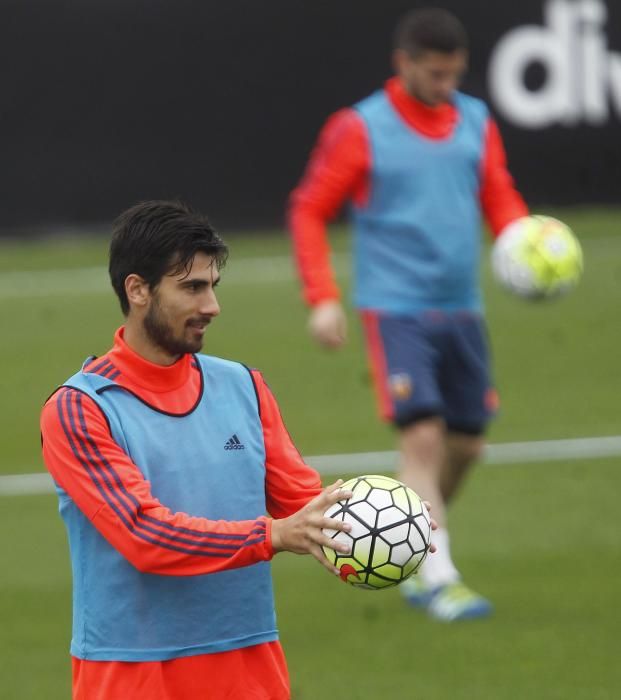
(137,290)
(400,60)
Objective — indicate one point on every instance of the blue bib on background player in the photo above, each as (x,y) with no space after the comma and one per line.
(122,614)
(417,240)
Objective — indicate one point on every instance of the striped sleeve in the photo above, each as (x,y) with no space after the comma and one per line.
(112,493)
(290,482)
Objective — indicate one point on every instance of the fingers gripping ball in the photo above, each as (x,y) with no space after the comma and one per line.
(390,535)
(537,257)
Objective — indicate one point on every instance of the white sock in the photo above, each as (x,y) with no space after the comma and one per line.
(438,568)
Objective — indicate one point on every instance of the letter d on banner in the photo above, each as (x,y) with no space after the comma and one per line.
(552,46)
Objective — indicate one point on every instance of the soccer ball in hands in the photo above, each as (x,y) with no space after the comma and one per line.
(537,257)
(390,535)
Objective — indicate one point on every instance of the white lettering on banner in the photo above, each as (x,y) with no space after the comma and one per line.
(582,78)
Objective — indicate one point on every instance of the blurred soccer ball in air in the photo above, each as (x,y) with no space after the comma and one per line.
(390,535)
(537,257)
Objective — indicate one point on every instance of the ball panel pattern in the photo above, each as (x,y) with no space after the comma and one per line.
(390,535)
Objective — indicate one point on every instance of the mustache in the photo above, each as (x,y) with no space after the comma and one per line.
(199,321)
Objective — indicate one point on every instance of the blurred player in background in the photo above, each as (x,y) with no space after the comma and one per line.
(165,462)
(418,162)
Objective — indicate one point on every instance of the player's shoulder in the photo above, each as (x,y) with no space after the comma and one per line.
(220,366)
(68,405)
(342,122)
(377,99)
(80,382)
(471,104)
(233,375)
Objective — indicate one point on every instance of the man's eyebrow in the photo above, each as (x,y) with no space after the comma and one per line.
(192,280)
(197,281)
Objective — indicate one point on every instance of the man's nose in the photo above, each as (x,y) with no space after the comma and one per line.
(210,305)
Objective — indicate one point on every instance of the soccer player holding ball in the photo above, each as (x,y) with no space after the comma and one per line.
(418,162)
(165,462)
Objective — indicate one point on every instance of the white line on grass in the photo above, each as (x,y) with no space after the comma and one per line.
(94,280)
(505,453)
(365,462)
(258,270)
(25,484)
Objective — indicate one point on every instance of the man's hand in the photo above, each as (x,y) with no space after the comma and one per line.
(328,324)
(434,526)
(302,532)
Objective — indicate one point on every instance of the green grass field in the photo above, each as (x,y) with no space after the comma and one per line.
(542,540)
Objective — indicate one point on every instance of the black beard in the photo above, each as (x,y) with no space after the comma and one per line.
(161,334)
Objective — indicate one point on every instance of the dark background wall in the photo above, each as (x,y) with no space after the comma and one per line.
(105,102)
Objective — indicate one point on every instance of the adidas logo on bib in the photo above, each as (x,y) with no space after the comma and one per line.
(233,443)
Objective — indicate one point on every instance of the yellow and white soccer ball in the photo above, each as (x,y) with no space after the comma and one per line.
(390,535)
(537,257)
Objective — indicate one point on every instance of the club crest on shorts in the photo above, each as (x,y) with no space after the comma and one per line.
(401,386)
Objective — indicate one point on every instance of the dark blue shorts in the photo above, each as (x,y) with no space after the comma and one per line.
(433,364)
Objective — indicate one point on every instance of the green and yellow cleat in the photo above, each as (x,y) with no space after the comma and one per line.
(455,601)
